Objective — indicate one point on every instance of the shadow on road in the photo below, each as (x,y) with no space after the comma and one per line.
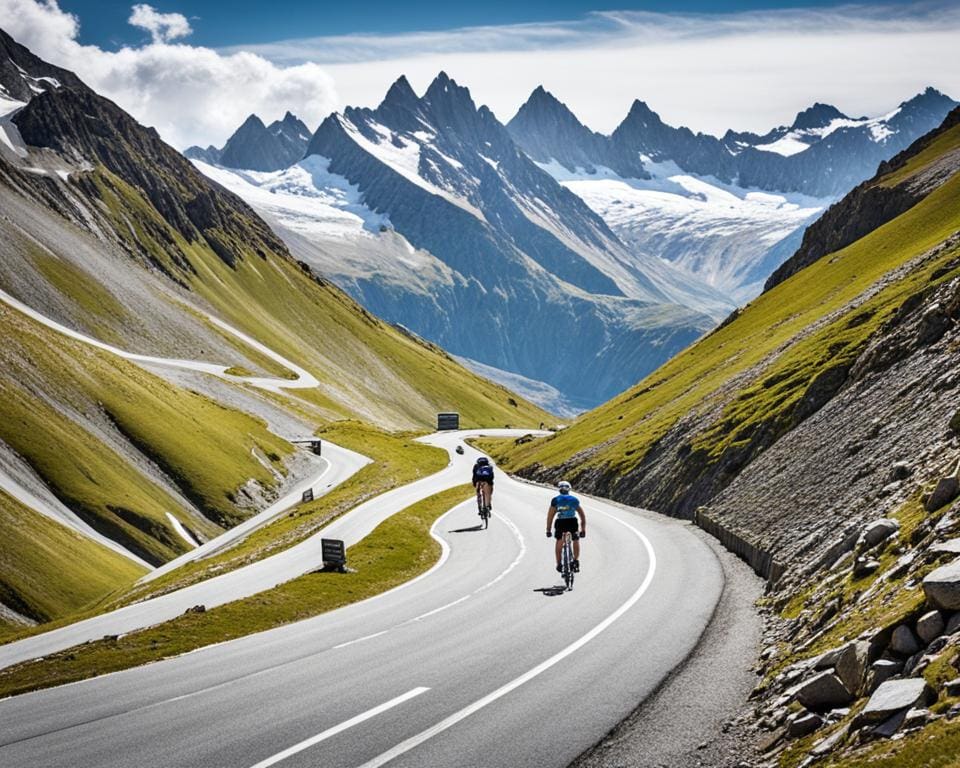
(471,529)
(552,591)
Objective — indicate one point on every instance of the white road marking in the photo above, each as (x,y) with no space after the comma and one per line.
(360,639)
(456,717)
(340,728)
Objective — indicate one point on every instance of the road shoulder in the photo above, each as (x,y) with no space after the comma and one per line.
(689,721)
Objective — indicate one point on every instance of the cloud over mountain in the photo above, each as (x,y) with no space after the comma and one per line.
(190,94)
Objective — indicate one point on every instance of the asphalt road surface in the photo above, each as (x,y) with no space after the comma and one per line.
(483,661)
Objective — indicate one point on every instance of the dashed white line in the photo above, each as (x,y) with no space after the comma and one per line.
(307,743)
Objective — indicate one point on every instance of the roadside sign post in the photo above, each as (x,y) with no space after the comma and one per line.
(334,554)
(307,496)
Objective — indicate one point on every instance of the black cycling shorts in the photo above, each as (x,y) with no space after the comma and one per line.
(563,524)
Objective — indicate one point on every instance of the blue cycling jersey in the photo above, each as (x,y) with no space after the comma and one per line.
(566,505)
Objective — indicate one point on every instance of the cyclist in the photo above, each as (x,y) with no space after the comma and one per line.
(562,517)
(483,480)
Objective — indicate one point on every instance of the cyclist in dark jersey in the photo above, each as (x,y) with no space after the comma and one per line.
(562,517)
(483,479)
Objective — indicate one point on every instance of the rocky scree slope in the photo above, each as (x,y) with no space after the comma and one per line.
(817,434)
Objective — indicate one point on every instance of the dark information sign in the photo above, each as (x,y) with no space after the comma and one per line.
(334,552)
(448,421)
(307,495)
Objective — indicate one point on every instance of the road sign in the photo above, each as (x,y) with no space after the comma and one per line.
(334,552)
(448,421)
(307,495)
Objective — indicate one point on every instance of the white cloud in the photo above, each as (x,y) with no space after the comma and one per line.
(163,27)
(190,94)
(747,71)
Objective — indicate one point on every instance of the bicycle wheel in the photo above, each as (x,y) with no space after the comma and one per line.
(568,563)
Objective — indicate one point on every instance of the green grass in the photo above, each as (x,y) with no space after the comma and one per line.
(397,460)
(619,433)
(936,746)
(48,571)
(946,142)
(396,551)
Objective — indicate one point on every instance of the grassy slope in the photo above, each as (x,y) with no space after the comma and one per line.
(399,549)
(627,426)
(397,460)
(48,571)
(204,447)
(368,369)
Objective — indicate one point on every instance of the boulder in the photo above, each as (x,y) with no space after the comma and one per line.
(942,586)
(890,726)
(880,671)
(822,692)
(949,547)
(901,470)
(953,624)
(827,745)
(952,687)
(864,566)
(851,665)
(917,717)
(955,422)
(877,531)
(895,696)
(803,724)
(946,491)
(904,642)
(930,626)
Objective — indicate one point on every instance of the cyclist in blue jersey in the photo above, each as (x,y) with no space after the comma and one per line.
(562,517)
(483,480)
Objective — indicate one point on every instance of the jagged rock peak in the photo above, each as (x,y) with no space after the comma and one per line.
(401,92)
(251,122)
(445,88)
(817,116)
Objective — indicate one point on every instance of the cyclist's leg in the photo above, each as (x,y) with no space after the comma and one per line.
(576,547)
(559,548)
(487,494)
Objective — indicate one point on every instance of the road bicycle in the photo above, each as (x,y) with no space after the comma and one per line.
(566,560)
(483,509)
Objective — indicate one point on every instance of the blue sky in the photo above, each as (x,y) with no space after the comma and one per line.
(216,24)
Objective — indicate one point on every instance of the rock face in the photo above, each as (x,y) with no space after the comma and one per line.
(258,147)
(942,586)
(895,696)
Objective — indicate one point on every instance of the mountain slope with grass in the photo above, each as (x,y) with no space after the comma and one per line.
(107,232)
(817,434)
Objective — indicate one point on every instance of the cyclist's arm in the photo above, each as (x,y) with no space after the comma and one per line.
(583,519)
(550,515)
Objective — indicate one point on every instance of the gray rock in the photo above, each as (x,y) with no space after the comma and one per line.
(880,671)
(827,745)
(864,566)
(894,696)
(917,717)
(953,624)
(904,642)
(851,665)
(803,723)
(877,531)
(930,626)
(822,692)
(952,687)
(900,471)
(890,726)
(949,547)
(946,491)
(942,586)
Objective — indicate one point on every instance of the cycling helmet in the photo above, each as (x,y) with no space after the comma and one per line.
(563,486)
(483,460)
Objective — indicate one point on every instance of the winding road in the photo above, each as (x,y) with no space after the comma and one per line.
(480,662)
